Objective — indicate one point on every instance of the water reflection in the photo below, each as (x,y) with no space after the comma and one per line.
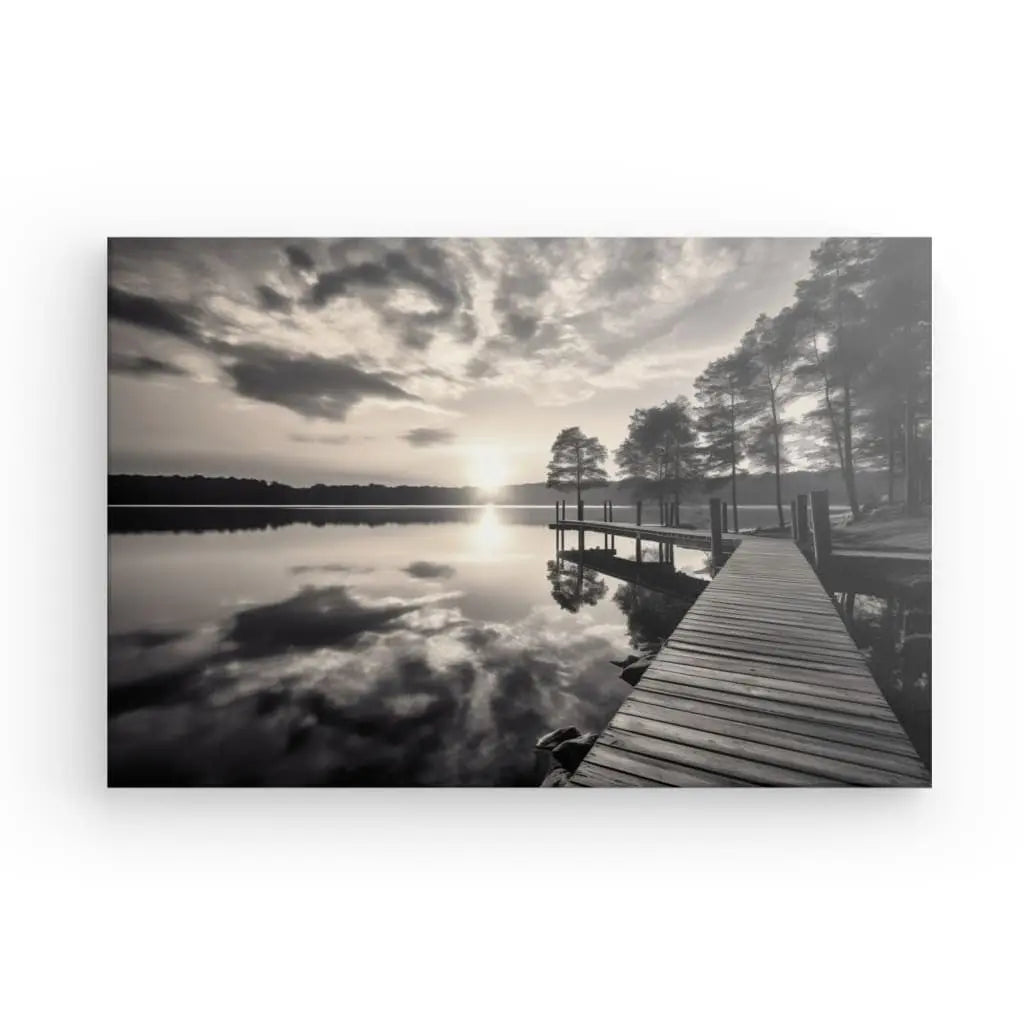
(386,646)
(650,616)
(895,633)
(412,655)
(488,534)
(574,585)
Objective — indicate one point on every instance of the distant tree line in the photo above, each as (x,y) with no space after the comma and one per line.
(855,343)
(235,492)
(133,489)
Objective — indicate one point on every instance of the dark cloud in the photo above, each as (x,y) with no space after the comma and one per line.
(272,301)
(299,258)
(521,327)
(144,639)
(320,439)
(525,281)
(376,270)
(480,367)
(311,385)
(430,570)
(313,618)
(143,366)
(174,318)
(423,437)
(174,686)
(430,276)
(334,283)
(631,263)
(300,570)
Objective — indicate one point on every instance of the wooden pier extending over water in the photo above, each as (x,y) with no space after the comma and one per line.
(759,684)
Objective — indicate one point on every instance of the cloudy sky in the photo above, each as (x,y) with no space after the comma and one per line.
(413,361)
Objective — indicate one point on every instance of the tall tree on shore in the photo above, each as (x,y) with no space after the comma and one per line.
(659,452)
(831,315)
(774,353)
(577,461)
(898,375)
(724,409)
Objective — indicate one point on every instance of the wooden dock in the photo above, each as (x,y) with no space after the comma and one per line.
(760,684)
(679,536)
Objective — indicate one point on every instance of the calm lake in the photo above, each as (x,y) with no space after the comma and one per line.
(383,646)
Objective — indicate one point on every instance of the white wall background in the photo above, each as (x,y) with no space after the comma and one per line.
(525,118)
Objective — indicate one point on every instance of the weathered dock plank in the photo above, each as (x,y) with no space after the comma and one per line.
(760,684)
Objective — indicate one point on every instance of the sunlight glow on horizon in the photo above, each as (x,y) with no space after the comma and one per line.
(487,468)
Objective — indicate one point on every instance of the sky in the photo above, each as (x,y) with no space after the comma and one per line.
(444,361)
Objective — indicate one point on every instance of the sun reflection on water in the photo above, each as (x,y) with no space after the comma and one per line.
(489,533)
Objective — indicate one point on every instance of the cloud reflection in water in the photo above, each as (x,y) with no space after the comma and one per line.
(330,687)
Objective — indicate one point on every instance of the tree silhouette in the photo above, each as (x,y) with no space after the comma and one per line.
(650,617)
(725,406)
(897,382)
(659,453)
(832,315)
(574,585)
(774,352)
(577,461)
(857,339)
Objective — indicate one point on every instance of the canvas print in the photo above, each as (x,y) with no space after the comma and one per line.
(548,512)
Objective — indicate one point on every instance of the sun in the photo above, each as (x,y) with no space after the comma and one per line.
(487,468)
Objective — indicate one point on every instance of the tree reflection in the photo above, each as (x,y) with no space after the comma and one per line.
(650,616)
(895,634)
(574,585)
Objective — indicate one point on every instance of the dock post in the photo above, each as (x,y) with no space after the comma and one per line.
(579,509)
(822,529)
(725,517)
(611,513)
(716,530)
(792,520)
(802,530)
(639,520)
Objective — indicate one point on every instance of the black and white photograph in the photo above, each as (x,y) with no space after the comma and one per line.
(510,512)
(520,512)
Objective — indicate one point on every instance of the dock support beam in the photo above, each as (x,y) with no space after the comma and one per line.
(792,520)
(639,520)
(822,529)
(716,531)
(802,530)
(725,517)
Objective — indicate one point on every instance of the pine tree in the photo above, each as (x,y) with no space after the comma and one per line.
(577,461)
(724,410)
